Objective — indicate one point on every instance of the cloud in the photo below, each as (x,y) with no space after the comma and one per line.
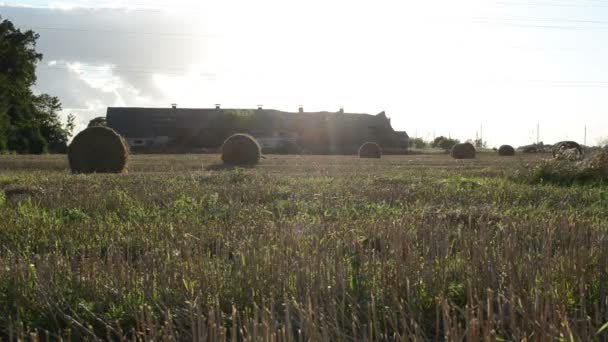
(94,58)
(426,63)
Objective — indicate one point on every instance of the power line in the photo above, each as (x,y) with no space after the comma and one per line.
(540,4)
(501,21)
(541,19)
(134,8)
(147,33)
(120,69)
(481,21)
(185,72)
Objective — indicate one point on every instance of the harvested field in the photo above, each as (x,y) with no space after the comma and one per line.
(422,247)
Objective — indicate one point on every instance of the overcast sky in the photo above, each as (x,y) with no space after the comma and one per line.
(435,67)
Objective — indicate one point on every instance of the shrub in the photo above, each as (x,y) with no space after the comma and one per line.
(98,150)
(417,143)
(444,143)
(370,150)
(571,154)
(529,149)
(241,149)
(566,145)
(593,169)
(506,150)
(463,151)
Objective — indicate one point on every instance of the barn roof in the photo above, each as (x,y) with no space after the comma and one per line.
(141,122)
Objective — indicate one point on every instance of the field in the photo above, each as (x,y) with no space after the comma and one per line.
(300,248)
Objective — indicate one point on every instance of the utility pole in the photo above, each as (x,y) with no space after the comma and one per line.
(585,135)
(537,133)
(481,133)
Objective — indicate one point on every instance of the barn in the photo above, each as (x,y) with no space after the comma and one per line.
(191,130)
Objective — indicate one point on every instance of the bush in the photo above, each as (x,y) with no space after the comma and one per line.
(463,151)
(98,150)
(241,149)
(417,143)
(571,154)
(445,143)
(561,171)
(566,145)
(370,150)
(529,149)
(506,150)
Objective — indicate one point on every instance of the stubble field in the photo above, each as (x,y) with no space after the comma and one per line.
(417,247)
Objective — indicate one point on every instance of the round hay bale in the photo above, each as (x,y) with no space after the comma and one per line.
(241,149)
(98,149)
(463,151)
(370,150)
(566,145)
(529,149)
(506,150)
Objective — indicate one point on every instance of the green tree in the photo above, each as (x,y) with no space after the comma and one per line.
(444,143)
(98,121)
(417,143)
(29,123)
(478,143)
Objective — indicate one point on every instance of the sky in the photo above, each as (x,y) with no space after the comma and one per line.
(436,67)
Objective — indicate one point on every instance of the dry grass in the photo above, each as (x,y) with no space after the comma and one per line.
(300,248)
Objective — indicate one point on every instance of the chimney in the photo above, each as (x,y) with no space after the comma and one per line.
(341,110)
(259,107)
(301,109)
(217,106)
(174,105)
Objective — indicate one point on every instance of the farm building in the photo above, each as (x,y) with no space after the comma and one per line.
(189,130)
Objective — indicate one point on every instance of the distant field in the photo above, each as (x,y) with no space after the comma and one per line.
(277,163)
(300,248)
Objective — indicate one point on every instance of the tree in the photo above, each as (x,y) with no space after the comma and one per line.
(478,143)
(417,143)
(70,125)
(98,121)
(29,123)
(444,143)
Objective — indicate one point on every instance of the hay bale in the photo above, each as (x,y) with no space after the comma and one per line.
(566,145)
(463,151)
(370,150)
(529,149)
(241,149)
(98,149)
(506,150)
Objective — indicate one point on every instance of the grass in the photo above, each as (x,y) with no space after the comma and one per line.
(300,248)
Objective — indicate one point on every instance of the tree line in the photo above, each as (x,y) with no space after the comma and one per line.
(442,142)
(29,122)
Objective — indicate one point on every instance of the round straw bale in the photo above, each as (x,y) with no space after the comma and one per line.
(506,150)
(98,149)
(241,149)
(370,150)
(463,151)
(566,145)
